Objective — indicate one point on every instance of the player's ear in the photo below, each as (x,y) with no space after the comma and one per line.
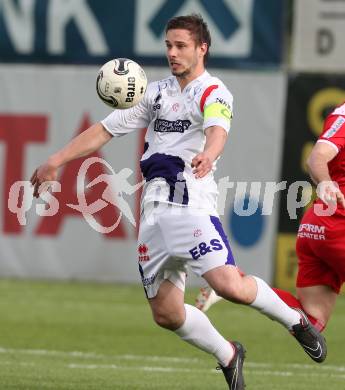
(204,47)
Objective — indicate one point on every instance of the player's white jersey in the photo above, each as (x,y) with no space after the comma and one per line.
(175,123)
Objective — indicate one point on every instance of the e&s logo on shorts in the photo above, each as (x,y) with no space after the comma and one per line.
(203,248)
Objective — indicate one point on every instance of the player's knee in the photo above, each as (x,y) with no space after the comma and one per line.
(230,292)
(168,320)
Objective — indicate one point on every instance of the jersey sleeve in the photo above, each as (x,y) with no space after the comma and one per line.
(334,131)
(121,122)
(216,107)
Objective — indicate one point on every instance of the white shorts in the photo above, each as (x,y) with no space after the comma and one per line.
(172,237)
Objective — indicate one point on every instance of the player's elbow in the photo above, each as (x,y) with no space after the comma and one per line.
(315,161)
(309,164)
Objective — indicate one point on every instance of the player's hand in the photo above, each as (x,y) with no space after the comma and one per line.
(329,193)
(41,177)
(202,165)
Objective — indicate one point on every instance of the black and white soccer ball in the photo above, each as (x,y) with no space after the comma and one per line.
(121,83)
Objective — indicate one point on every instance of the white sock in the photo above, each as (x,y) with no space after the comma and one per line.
(198,331)
(269,303)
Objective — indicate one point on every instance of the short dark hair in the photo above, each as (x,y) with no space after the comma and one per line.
(196,26)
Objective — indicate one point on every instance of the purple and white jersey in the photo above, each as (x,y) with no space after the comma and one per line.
(175,122)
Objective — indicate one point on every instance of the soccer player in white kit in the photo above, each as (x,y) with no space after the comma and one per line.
(187,117)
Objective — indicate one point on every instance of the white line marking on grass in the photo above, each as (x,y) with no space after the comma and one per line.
(164,369)
(93,355)
(44,352)
(167,359)
(11,363)
(189,370)
(171,359)
(127,368)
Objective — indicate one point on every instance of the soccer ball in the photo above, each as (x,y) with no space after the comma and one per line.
(121,83)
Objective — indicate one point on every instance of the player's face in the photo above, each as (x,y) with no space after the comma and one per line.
(185,57)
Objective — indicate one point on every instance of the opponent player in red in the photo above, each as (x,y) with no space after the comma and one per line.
(320,240)
(321,235)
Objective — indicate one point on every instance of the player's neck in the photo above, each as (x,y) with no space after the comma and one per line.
(185,80)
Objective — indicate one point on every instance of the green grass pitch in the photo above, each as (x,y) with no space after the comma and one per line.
(101,336)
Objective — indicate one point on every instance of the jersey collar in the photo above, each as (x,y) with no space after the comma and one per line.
(192,83)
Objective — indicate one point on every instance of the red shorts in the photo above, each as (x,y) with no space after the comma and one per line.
(320,249)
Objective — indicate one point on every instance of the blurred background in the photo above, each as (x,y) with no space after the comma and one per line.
(60,327)
(282,60)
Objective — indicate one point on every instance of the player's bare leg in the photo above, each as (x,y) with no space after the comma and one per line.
(228,283)
(168,306)
(319,301)
(250,290)
(295,303)
(194,327)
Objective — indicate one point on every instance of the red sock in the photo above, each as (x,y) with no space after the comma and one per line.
(292,301)
(288,298)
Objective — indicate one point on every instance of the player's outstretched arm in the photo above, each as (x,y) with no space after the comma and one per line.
(317,163)
(85,143)
(215,140)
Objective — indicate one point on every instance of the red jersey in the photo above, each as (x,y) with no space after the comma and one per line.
(334,134)
(320,240)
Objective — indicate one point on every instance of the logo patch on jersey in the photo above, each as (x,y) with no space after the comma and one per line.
(315,232)
(175,107)
(156,105)
(197,233)
(149,280)
(203,248)
(336,125)
(165,126)
(143,252)
(222,101)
